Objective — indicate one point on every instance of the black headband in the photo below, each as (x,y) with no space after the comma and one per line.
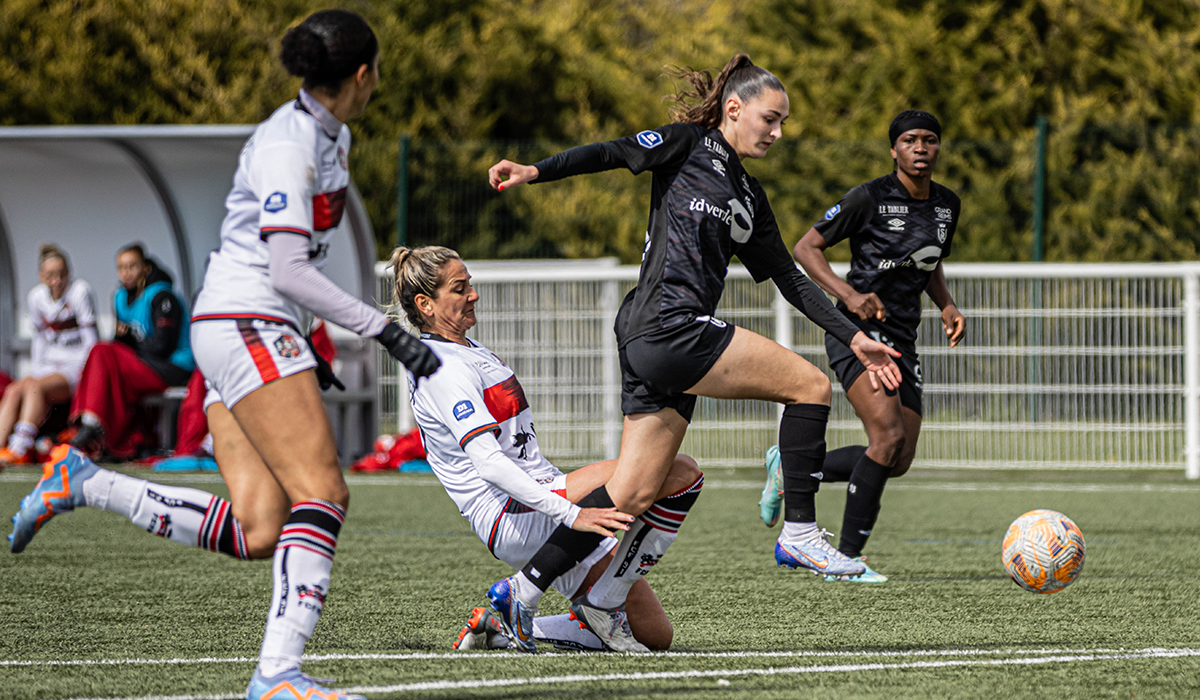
(913,119)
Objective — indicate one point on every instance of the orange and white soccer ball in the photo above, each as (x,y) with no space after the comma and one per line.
(1043,551)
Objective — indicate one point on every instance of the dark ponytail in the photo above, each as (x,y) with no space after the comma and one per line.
(740,76)
(328,47)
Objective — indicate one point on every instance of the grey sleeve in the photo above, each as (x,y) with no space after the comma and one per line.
(293,276)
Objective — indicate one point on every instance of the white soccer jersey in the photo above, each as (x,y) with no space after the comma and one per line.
(291,177)
(64,330)
(474,393)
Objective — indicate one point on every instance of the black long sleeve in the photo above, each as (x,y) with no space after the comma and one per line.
(665,147)
(166,316)
(809,300)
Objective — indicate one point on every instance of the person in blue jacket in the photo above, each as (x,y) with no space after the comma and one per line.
(150,351)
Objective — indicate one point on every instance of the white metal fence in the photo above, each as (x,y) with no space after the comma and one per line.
(1064,366)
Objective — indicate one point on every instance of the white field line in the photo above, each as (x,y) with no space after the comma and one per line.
(353,480)
(491,655)
(1056,658)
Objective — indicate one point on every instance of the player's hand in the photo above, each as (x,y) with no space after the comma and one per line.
(601,521)
(877,358)
(121,329)
(411,352)
(866,306)
(954,323)
(326,379)
(506,174)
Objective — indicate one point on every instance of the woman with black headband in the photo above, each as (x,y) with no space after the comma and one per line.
(705,208)
(900,227)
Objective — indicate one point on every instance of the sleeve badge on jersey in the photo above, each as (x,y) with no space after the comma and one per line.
(287,347)
(463,410)
(833,211)
(277,201)
(650,139)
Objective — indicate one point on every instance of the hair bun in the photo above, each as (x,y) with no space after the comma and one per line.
(304,54)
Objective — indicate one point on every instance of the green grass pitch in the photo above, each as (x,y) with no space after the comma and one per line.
(94,608)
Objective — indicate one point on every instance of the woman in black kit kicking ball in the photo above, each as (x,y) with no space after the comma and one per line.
(705,209)
(900,228)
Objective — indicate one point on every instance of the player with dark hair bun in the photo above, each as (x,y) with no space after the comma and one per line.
(900,228)
(271,433)
(705,209)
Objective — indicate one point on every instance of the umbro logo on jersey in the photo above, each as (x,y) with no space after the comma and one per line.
(463,409)
(896,224)
(650,139)
(832,212)
(718,166)
(276,201)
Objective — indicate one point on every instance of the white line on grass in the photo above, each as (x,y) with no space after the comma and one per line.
(1024,659)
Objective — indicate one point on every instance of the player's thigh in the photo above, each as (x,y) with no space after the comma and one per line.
(259,503)
(912,433)
(649,445)
(584,480)
(756,367)
(683,473)
(882,415)
(286,422)
(54,387)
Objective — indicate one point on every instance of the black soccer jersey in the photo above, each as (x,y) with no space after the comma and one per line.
(896,242)
(704,209)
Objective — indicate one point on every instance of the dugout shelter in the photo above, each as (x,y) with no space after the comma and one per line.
(92,189)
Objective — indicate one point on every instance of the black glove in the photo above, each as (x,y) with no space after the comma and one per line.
(411,352)
(325,376)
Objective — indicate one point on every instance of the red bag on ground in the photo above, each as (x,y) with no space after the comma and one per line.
(392,451)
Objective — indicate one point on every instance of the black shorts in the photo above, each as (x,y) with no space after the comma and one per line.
(658,367)
(848,368)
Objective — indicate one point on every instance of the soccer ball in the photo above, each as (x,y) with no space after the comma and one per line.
(1043,551)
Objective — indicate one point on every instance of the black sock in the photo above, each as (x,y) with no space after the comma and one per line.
(566,547)
(801,454)
(862,504)
(839,463)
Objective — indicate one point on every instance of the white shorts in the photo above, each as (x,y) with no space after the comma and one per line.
(70,370)
(514,537)
(238,356)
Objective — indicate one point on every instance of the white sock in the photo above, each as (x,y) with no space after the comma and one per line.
(562,629)
(303,561)
(527,591)
(798,532)
(21,440)
(642,546)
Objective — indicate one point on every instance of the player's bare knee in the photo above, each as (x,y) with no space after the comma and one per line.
(814,389)
(684,472)
(657,639)
(890,444)
(261,541)
(902,466)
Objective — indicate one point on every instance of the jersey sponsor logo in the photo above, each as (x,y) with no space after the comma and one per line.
(895,224)
(287,347)
(944,213)
(505,400)
(328,208)
(718,166)
(276,201)
(463,410)
(927,258)
(716,148)
(701,205)
(832,212)
(893,209)
(650,139)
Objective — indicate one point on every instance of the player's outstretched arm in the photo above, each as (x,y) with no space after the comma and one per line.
(506,174)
